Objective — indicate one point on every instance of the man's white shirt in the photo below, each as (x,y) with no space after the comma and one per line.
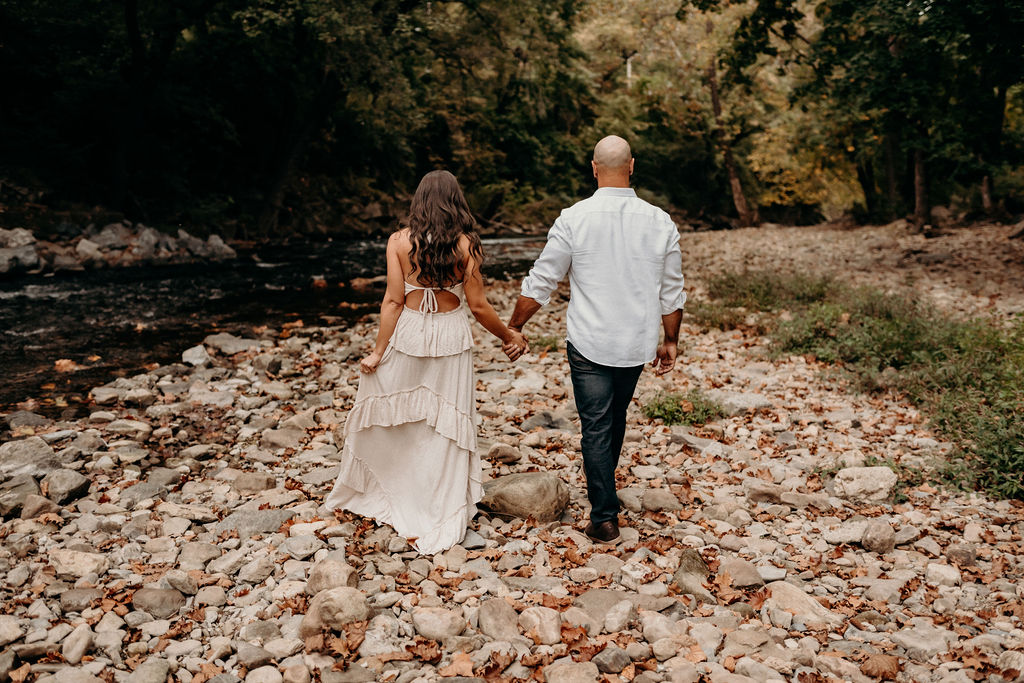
(625,272)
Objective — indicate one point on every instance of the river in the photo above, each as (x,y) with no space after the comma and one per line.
(103,324)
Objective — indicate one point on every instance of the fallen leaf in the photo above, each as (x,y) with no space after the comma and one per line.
(21,673)
(882,667)
(461,665)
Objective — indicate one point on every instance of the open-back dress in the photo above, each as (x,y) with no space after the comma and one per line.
(410,457)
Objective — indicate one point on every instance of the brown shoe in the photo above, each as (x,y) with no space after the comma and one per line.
(605,532)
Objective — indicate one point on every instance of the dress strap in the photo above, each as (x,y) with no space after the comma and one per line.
(429,302)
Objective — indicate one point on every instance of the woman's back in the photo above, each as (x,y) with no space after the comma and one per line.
(448,298)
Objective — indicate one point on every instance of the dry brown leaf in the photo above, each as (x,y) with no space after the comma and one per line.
(461,665)
(427,650)
(882,667)
(21,673)
(573,635)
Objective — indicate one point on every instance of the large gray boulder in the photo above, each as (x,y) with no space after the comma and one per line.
(541,495)
(31,456)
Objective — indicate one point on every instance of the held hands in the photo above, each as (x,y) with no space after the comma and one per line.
(369,364)
(666,358)
(516,346)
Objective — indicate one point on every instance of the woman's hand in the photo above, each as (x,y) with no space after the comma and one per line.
(516,346)
(369,364)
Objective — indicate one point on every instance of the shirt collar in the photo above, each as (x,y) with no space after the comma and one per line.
(614,192)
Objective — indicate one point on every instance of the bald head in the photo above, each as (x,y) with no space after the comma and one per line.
(612,152)
(613,162)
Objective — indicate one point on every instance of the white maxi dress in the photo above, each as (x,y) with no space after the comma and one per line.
(409,458)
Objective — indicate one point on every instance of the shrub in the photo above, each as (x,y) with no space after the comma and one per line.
(967,375)
(691,408)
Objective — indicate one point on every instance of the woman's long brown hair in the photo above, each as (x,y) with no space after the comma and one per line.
(438,217)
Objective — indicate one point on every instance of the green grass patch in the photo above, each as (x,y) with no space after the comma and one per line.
(967,375)
(547,342)
(692,408)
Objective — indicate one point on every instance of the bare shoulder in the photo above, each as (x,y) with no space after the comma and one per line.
(399,240)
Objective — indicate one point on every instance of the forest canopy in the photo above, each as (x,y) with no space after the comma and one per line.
(261,118)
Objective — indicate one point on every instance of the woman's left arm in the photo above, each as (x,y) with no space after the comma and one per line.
(390,308)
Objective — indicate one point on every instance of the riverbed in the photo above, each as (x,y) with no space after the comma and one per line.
(62,334)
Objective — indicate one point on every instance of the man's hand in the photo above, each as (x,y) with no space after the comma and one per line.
(666,359)
(516,346)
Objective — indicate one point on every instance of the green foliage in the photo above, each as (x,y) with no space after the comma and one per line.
(691,408)
(768,290)
(968,375)
(547,342)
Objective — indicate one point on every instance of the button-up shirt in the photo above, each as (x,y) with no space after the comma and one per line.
(625,272)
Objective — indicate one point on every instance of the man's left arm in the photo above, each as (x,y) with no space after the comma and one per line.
(672,297)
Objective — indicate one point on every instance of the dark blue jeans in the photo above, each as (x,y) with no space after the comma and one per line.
(602,395)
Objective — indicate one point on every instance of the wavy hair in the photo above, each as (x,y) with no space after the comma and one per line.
(438,217)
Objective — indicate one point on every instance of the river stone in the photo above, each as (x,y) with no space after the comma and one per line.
(879,537)
(76,563)
(145,490)
(264,674)
(690,576)
(181,581)
(611,660)
(333,608)
(34,506)
(25,418)
(743,573)
(567,671)
(865,484)
(331,574)
(153,670)
(15,491)
(76,644)
(131,429)
(254,482)
(543,621)
(301,547)
(547,420)
(63,485)
(11,628)
(197,356)
(736,403)
(161,603)
(540,495)
(197,556)
(78,599)
(31,456)
(498,620)
(504,453)
(924,640)
(437,623)
(792,599)
(229,344)
(251,656)
(660,499)
(251,522)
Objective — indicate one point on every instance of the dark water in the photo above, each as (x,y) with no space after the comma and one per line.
(115,322)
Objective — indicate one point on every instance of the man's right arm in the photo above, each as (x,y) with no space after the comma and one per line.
(549,269)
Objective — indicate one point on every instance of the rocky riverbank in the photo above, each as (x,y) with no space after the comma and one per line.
(178,530)
(117,245)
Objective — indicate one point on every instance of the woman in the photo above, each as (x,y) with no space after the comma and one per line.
(409,458)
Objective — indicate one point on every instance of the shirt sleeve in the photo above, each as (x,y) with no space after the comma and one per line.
(672,294)
(551,266)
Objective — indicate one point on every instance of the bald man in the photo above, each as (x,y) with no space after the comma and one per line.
(622,258)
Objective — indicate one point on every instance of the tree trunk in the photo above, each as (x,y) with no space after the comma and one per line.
(739,199)
(866,179)
(892,184)
(986,193)
(293,151)
(922,211)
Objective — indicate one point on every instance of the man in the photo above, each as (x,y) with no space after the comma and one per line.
(625,272)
